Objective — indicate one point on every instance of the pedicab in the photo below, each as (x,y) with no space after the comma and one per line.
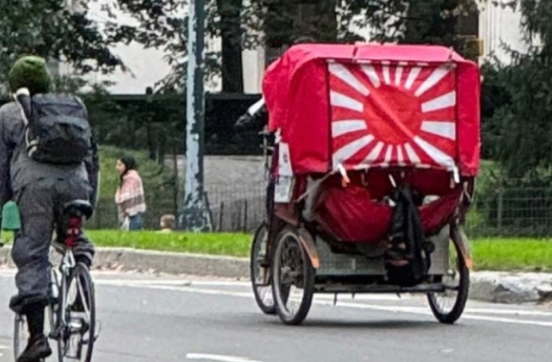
(374,168)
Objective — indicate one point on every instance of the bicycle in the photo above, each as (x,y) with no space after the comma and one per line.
(71,311)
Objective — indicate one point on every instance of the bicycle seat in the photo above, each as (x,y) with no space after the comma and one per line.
(78,207)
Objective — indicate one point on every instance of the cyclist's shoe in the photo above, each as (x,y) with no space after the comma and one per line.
(36,350)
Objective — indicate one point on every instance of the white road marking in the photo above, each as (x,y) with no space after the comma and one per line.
(321,299)
(216,357)
(394,309)
(4,347)
(183,284)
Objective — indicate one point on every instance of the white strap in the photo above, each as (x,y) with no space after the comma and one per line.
(255,107)
(22,91)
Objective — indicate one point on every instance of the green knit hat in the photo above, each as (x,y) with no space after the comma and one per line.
(30,72)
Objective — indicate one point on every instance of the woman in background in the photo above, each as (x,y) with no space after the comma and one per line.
(129,197)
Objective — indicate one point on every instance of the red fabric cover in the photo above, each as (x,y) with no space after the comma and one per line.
(349,214)
(297,90)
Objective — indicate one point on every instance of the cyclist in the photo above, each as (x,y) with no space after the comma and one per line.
(40,191)
(256,116)
(256,119)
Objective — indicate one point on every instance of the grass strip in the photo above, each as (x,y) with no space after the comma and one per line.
(495,254)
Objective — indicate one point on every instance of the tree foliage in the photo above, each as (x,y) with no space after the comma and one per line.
(244,24)
(50,29)
(522,127)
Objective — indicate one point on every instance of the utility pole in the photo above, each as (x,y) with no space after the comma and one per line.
(195,215)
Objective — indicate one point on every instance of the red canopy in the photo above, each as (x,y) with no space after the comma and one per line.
(375,105)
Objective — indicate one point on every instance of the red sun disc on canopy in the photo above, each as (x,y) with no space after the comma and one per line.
(400,114)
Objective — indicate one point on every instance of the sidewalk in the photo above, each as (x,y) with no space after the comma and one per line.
(495,287)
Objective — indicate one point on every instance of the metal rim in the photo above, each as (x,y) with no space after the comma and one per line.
(260,275)
(448,305)
(79,333)
(289,275)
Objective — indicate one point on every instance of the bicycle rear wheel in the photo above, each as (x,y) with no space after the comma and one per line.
(78,315)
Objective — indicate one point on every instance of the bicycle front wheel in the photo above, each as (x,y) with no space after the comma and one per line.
(78,315)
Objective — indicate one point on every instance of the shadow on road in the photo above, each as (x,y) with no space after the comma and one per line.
(382,324)
(321,324)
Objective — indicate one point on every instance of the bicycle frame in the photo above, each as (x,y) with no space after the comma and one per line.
(60,275)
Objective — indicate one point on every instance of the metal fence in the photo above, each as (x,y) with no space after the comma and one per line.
(233,207)
(240,207)
(512,211)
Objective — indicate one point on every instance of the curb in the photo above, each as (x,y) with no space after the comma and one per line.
(493,287)
(164,262)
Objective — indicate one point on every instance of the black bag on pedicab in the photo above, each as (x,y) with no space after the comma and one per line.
(56,128)
(406,260)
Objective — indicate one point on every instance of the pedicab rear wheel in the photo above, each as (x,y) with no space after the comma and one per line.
(292,269)
(449,305)
(260,274)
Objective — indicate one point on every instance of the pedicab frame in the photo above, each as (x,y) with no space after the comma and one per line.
(314,94)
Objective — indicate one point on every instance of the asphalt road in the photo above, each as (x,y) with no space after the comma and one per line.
(167,319)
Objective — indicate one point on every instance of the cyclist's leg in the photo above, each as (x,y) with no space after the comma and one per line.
(30,255)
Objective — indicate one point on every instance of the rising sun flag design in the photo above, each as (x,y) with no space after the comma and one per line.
(393,114)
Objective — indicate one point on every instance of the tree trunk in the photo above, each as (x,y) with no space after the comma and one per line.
(317,19)
(231,33)
(428,22)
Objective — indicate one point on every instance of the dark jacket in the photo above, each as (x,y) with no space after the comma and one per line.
(18,170)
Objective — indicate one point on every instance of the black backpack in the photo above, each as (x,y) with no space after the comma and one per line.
(56,128)
(407,258)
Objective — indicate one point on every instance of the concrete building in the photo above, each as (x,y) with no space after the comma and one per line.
(500,25)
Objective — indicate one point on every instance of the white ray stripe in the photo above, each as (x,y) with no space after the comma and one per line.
(350,149)
(371,73)
(386,74)
(340,100)
(445,101)
(375,153)
(400,157)
(436,155)
(388,154)
(440,128)
(414,72)
(412,155)
(347,126)
(436,76)
(341,72)
(399,72)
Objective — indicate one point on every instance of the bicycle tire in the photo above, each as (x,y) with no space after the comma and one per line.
(450,317)
(269,309)
(79,272)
